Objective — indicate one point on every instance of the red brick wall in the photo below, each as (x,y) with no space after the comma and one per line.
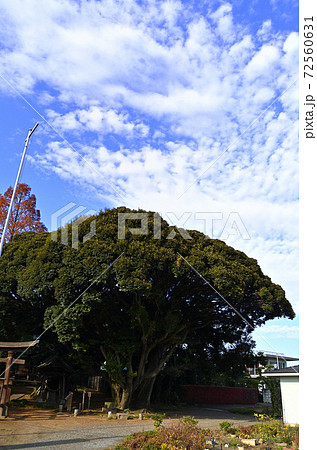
(209,395)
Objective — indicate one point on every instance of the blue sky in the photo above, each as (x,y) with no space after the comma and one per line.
(186,108)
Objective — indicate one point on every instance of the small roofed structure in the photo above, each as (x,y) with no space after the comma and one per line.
(289,382)
(56,375)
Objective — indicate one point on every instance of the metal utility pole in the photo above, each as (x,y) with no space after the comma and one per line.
(31,131)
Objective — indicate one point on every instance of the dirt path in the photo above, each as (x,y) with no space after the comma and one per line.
(44,429)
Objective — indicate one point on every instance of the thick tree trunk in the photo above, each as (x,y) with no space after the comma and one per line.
(143,391)
(142,395)
(156,357)
(125,399)
(121,396)
(116,397)
(137,387)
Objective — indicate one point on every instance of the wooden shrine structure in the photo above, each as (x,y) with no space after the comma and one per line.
(5,382)
(56,374)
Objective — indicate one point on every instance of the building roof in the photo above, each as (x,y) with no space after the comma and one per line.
(276,355)
(55,365)
(286,372)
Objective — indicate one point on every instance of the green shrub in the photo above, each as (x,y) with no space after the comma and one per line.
(157,419)
(233,442)
(188,420)
(270,430)
(227,426)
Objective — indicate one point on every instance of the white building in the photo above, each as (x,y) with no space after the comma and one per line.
(289,382)
(277,361)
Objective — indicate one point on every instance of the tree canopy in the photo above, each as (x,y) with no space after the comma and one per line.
(24,215)
(131,315)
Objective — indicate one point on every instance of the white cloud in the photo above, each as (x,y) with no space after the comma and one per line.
(263,62)
(280,331)
(241,50)
(96,119)
(265,31)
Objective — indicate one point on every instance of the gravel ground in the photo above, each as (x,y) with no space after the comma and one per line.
(44,429)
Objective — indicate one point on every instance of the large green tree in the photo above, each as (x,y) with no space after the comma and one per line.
(158,295)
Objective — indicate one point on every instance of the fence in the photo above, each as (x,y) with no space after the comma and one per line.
(220,395)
